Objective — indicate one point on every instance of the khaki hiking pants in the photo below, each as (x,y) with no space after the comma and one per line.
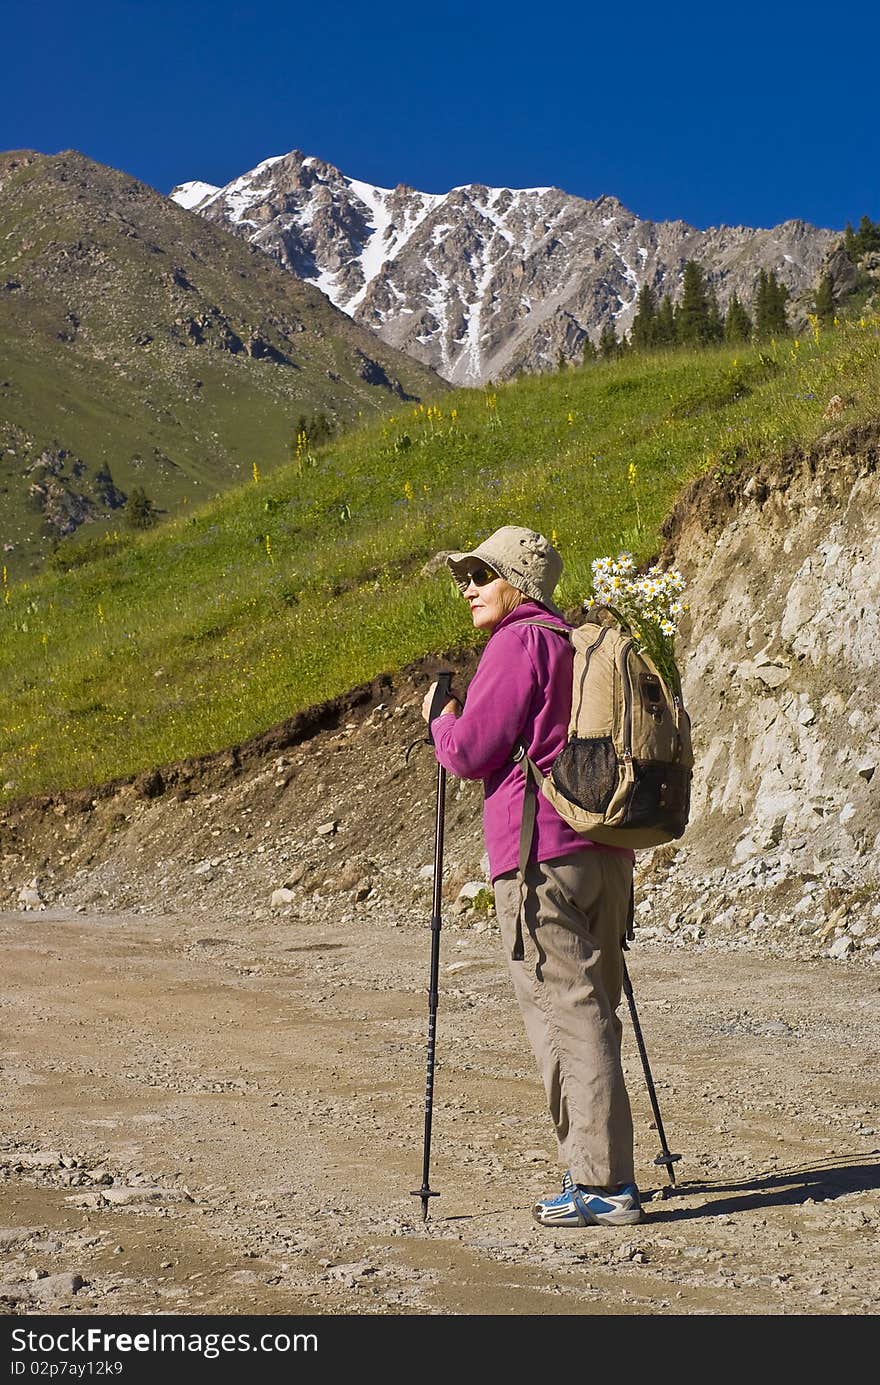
(568,988)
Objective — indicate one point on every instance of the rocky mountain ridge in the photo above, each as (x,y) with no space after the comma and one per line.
(481,283)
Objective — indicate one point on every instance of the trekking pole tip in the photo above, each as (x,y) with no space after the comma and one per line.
(424,1194)
(667,1160)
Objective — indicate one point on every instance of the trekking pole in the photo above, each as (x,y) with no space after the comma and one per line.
(664,1157)
(441,695)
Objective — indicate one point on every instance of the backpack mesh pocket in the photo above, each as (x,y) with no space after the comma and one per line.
(585,772)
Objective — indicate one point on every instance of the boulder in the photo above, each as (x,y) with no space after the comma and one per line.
(29,896)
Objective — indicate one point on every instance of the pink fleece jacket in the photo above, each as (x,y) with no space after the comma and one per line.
(521,690)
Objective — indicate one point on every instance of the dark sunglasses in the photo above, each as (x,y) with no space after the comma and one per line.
(481,576)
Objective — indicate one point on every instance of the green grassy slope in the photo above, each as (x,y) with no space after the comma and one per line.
(294,588)
(136,335)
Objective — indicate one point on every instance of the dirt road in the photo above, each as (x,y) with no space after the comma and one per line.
(227,1119)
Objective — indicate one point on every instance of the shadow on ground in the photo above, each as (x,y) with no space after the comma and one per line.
(785,1187)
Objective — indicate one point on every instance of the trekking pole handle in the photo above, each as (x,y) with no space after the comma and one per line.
(442,694)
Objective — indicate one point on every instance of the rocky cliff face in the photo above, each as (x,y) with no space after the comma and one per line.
(782,653)
(779,667)
(480,282)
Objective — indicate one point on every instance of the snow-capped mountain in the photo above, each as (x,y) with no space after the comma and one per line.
(480,282)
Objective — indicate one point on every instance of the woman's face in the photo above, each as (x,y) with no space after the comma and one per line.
(491,601)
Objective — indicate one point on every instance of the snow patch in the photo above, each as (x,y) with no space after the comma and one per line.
(473,340)
(514,192)
(436,300)
(326,282)
(240,194)
(189,195)
(386,237)
(267,163)
(631,278)
(497,218)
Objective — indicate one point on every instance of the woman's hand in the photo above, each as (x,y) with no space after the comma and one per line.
(453,705)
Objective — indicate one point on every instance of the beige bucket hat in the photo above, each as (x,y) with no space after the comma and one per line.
(523,557)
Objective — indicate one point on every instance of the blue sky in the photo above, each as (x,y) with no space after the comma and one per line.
(747,114)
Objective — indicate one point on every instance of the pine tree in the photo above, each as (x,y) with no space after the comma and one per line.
(140,512)
(609,346)
(823,303)
(850,244)
(590,352)
(859,243)
(319,430)
(770,300)
(643,332)
(737,324)
(714,320)
(762,309)
(781,296)
(868,235)
(692,318)
(664,323)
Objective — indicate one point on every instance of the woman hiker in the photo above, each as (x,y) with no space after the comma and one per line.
(568,921)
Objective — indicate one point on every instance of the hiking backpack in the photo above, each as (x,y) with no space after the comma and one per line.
(623,777)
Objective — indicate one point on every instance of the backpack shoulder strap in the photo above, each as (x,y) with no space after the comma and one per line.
(533,781)
(545,625)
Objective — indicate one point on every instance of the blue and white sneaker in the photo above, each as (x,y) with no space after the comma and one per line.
(580,1206)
